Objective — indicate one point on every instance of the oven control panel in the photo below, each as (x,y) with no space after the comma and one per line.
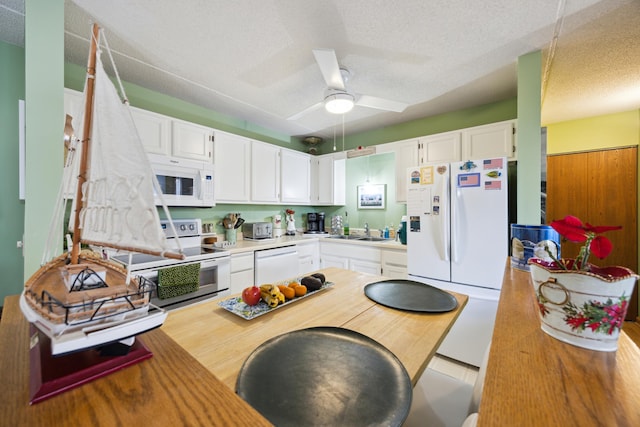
(184,227)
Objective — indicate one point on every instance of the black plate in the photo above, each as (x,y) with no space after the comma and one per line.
(411,296)
(326,376)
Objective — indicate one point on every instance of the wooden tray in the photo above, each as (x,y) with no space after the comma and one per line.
(236,306)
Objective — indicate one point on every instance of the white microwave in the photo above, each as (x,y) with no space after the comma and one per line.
(183,182)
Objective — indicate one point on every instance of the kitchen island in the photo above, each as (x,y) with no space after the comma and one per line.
(197,354)
(533,379)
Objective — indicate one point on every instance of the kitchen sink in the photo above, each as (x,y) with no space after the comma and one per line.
(359,238)
(372,239)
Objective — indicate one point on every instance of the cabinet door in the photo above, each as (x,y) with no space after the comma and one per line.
(265,172)
(192,141)
(329,180)
(295,178)
(406,156)
(443,147)
(233,167)
(154,130)
(394,264)
(494,140)
(363,266)
(327,261)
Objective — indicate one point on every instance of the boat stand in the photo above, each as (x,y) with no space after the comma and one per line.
(51,375)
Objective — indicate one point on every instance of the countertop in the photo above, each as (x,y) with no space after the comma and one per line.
(197,354)
(533,379)
(170,389)
(221,340)
(252,245)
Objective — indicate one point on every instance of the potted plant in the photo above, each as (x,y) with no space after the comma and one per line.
(580,303)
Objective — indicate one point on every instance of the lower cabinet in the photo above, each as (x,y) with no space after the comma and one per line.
(308,257)
(394,263)
(389,262)
(355,257)
(241,271)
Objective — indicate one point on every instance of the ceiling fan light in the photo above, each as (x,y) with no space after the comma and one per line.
(339,103)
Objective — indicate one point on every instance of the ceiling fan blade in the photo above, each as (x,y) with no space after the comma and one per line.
(328,63)
(306,111)
(381,104)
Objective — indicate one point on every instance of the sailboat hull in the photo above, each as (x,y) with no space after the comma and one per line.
(76,320)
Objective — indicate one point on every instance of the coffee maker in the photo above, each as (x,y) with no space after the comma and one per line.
(315,223)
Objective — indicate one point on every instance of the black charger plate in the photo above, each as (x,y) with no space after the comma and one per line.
(326,376)
(411,296)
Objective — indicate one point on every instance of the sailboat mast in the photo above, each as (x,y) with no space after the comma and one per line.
(86,132)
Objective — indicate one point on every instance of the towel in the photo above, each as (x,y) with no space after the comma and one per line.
(180,280)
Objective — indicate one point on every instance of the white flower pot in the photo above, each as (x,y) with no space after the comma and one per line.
(582,308)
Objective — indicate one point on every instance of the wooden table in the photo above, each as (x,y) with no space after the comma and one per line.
(172,388)
(221,341)
(533,379)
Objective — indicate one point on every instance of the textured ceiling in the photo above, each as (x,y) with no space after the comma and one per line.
(253,59)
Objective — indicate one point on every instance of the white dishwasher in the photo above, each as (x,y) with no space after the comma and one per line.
(275,265)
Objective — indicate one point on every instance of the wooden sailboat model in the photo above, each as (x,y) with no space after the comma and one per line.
(78,299)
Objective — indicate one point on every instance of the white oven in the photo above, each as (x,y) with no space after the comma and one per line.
(183,182)
(215,264)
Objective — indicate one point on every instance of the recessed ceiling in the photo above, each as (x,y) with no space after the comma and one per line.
(253,59)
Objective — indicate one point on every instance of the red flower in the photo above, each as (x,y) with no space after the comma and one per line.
(572,229)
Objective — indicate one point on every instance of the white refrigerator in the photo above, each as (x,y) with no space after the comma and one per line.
(457,240)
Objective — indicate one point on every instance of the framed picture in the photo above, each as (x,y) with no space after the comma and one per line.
(371,196)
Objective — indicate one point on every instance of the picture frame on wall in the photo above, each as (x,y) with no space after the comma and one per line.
(372,196)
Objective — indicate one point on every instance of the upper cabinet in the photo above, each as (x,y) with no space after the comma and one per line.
(328,174)
(232,155)
(191,141)
(494,140)
(480,142)
(295,177)
(441,147)
(265,172)
(154,130)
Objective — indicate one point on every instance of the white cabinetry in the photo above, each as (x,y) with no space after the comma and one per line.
(241,271)
(265,172)
(328,179)
(154,131)
(394,263)
(355,257)
(406,156)
(233,168)
(295,173)
(442,147)
(308,257)
(191,141)
(494,140)
(480,142)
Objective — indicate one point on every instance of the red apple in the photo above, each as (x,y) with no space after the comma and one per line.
(251,295)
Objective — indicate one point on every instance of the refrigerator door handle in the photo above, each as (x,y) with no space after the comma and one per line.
(457,212)
(444,218)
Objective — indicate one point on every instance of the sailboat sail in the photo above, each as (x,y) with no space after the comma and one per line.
(118,208)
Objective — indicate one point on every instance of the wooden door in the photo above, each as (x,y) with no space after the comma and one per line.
(599,187)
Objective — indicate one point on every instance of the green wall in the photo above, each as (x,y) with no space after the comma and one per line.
(11,208)
(476,116)
(529,138)
(163,104)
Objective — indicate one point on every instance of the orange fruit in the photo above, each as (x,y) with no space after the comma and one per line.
(300,290)
(294,284)
(289,293)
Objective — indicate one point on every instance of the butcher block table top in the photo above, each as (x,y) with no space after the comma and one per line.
(533,379)
(198,353)
(221,340)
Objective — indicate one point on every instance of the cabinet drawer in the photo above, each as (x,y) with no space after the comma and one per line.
(394,257)
(242,262)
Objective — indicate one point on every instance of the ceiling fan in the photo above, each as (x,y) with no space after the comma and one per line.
(337,98)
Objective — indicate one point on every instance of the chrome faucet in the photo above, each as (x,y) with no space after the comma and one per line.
(367,232)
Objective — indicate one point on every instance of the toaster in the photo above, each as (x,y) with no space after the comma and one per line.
(257,230)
